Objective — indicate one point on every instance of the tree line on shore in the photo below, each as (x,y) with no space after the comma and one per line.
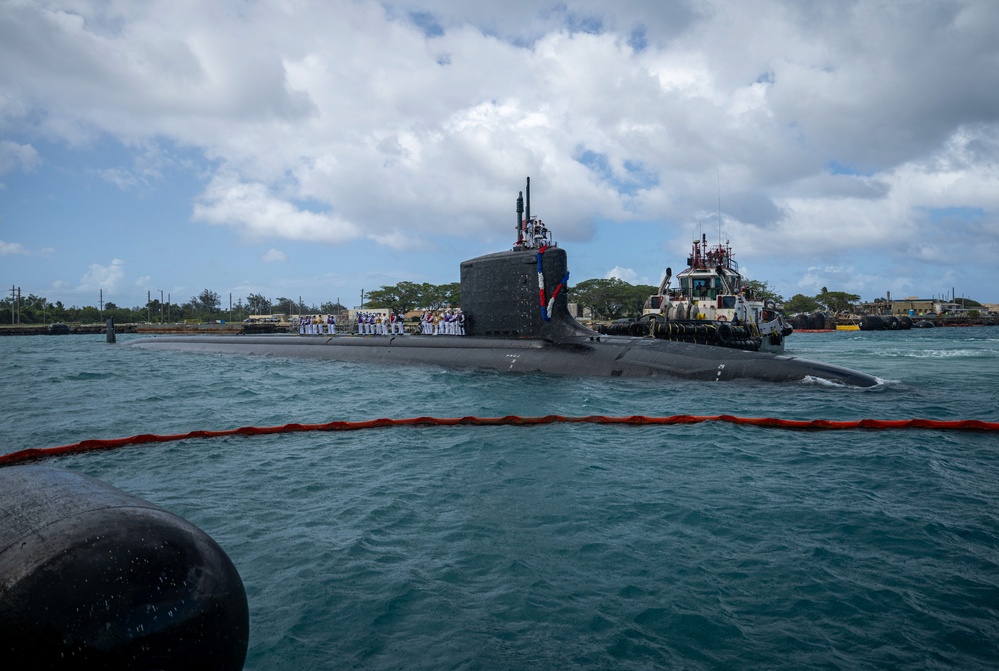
(205,307)
(608,299)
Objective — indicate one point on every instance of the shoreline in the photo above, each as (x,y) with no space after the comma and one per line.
(151,329)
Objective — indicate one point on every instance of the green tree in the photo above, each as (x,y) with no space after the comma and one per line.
(384,297)
(155,310)
(258,304)
(207,301)
(451,294)
(762,291)
(286,306)
(33,310)
(432,297)
(189,310)
(611,298)
(408,296)
(837,301)
(801,303)
(331,308)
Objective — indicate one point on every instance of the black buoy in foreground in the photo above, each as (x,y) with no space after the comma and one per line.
(92,577)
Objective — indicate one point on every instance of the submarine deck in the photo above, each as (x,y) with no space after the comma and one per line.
(581,356)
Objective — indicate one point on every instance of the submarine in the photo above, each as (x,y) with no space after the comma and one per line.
(517,320)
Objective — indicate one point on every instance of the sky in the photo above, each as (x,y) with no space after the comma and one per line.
(316,149)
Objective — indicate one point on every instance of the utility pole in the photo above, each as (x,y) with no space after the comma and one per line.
(12,304)
(100,312)
(149,307)
(19,305)
(161,306)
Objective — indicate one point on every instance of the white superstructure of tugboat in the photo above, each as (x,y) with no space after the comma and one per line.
(710,306)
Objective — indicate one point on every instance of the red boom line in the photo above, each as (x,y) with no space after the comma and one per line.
(510,420)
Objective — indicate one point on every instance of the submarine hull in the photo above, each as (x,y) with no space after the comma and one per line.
(584,355)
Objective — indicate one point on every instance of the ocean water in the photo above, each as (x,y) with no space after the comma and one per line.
(709,546)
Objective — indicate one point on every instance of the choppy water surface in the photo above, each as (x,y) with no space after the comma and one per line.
(706,546)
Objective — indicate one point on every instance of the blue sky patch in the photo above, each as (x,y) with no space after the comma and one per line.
(834,167)
(426,22)
(636,176)
(942,215)
(637,40)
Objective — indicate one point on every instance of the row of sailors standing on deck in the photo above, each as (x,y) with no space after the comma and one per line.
(375,323)
(443,322)
(316,325)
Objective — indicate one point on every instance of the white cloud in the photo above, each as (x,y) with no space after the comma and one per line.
(626,274)
(14,156)
(8,248)
(16,248)
(103,277)
(273,256)
(257,213)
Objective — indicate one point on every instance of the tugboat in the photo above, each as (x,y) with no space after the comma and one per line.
(711,307)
